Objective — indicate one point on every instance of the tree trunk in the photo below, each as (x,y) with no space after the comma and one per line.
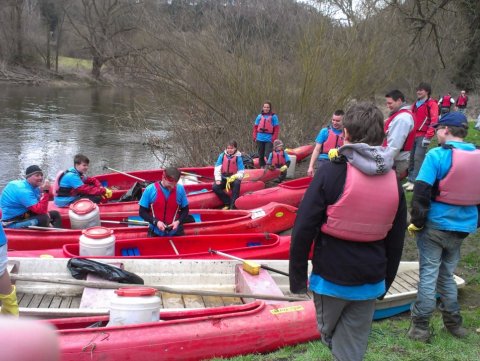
(97,63)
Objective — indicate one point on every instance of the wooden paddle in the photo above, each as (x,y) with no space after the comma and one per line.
(132,221)
(197,175)
(115,285)
(126,174)
(48,228)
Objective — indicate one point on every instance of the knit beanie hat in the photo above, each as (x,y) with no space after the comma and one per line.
(277,143)
(33,169)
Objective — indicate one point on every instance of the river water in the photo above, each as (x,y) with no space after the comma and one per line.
(48,126)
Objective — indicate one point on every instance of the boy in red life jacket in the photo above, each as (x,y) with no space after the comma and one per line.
(164,205)
(265,131)
(462,101)
(445,103)
(279,159)
(357,236)
(399,131)
(445,210)
(328,138)
(228,173)
(425,114)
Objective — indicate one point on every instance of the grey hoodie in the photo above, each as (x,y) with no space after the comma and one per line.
(371,160)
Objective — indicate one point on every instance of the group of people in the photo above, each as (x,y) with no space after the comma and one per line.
(354,216)
(447,101)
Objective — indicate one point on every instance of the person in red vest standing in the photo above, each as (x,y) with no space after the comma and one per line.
(461,103)
(265,131)
(445,103)
(399,131)
(425,115)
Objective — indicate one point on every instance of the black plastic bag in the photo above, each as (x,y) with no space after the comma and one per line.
(248,160)
(134,193)
(80,267)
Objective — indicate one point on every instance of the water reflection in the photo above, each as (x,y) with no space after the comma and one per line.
(48,126)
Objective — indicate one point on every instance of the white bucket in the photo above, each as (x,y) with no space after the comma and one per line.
(84,214)
(97,241)
(291,167)
(133,305)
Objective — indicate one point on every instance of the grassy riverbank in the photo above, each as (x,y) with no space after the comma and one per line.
(388,339)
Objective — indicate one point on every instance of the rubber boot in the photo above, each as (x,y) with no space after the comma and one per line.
(9,303)
(419,329)
(453,324)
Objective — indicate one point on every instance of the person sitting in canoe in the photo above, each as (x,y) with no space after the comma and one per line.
(73,184)
(24,202)
(357,236)
(228,173)
(164,205)
(279,159)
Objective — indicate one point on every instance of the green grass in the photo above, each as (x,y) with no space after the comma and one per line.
(74,63)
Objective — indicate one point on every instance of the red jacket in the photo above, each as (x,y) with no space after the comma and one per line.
(425,117)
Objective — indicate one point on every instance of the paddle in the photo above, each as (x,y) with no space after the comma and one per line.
(115,285)
(128,175)
(197,175)
(249,264)
(132,221)
(47,228)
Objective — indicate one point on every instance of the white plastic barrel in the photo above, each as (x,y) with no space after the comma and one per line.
(291,167)
(133,305)
(97,241)
(84,214)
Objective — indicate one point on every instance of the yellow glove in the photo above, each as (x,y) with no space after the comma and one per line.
(108,193)
(283,168)
(230,180)
(413,229)
(333,153)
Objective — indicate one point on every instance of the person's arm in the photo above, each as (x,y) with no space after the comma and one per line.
(255,128)
(398,132)
(93,182)
(395,240)
(41,207)
(421,201)
(217,170)
(313,159)
(89,190)
(183,214)
(432,109)
(276,131)
(147,215)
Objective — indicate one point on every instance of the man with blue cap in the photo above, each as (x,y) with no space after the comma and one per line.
(446,197)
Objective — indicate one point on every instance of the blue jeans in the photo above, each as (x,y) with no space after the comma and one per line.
(439,253)
(417,156)
(23,224)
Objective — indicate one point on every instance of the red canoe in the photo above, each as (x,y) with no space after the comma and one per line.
(191,334)
(198,199)
(290,192)
(273,217)
(245,246)
(193,178)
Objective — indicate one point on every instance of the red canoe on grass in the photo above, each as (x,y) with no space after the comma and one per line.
(198,199)
(245,246)
(290,192)
(273,218)
(194,178)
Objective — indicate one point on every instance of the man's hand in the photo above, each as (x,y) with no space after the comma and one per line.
(310,172)
(45,186)
(161,226)
(413,229)
(175,225)
(426,142)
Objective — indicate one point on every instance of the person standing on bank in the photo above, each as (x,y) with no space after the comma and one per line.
(445,205)
(8,295)
(328,138)
(445,103)
(265,130)
(462,101)
(425,113)
(24,202)
(352,266)
(164,205)
(399,131)
(228,172)
(279,159)
(73,184)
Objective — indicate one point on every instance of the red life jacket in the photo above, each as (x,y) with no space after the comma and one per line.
(333,141)
(229,165)
(408,145)
(446,101)
(165,209)
(461,186)
(422,116)
(462,101)
(265,125)
(355,217)
(278,159)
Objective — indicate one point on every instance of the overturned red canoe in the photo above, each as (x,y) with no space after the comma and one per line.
(290,192)
(245,246)
(272,218)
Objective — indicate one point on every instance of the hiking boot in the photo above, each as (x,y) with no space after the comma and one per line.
(453,324)
(419,329)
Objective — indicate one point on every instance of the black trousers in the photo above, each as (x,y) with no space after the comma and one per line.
(264,149)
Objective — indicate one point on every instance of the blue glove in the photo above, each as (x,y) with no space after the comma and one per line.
(426,142)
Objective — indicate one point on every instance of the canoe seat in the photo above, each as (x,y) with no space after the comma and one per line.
(262,283)
(97,297)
